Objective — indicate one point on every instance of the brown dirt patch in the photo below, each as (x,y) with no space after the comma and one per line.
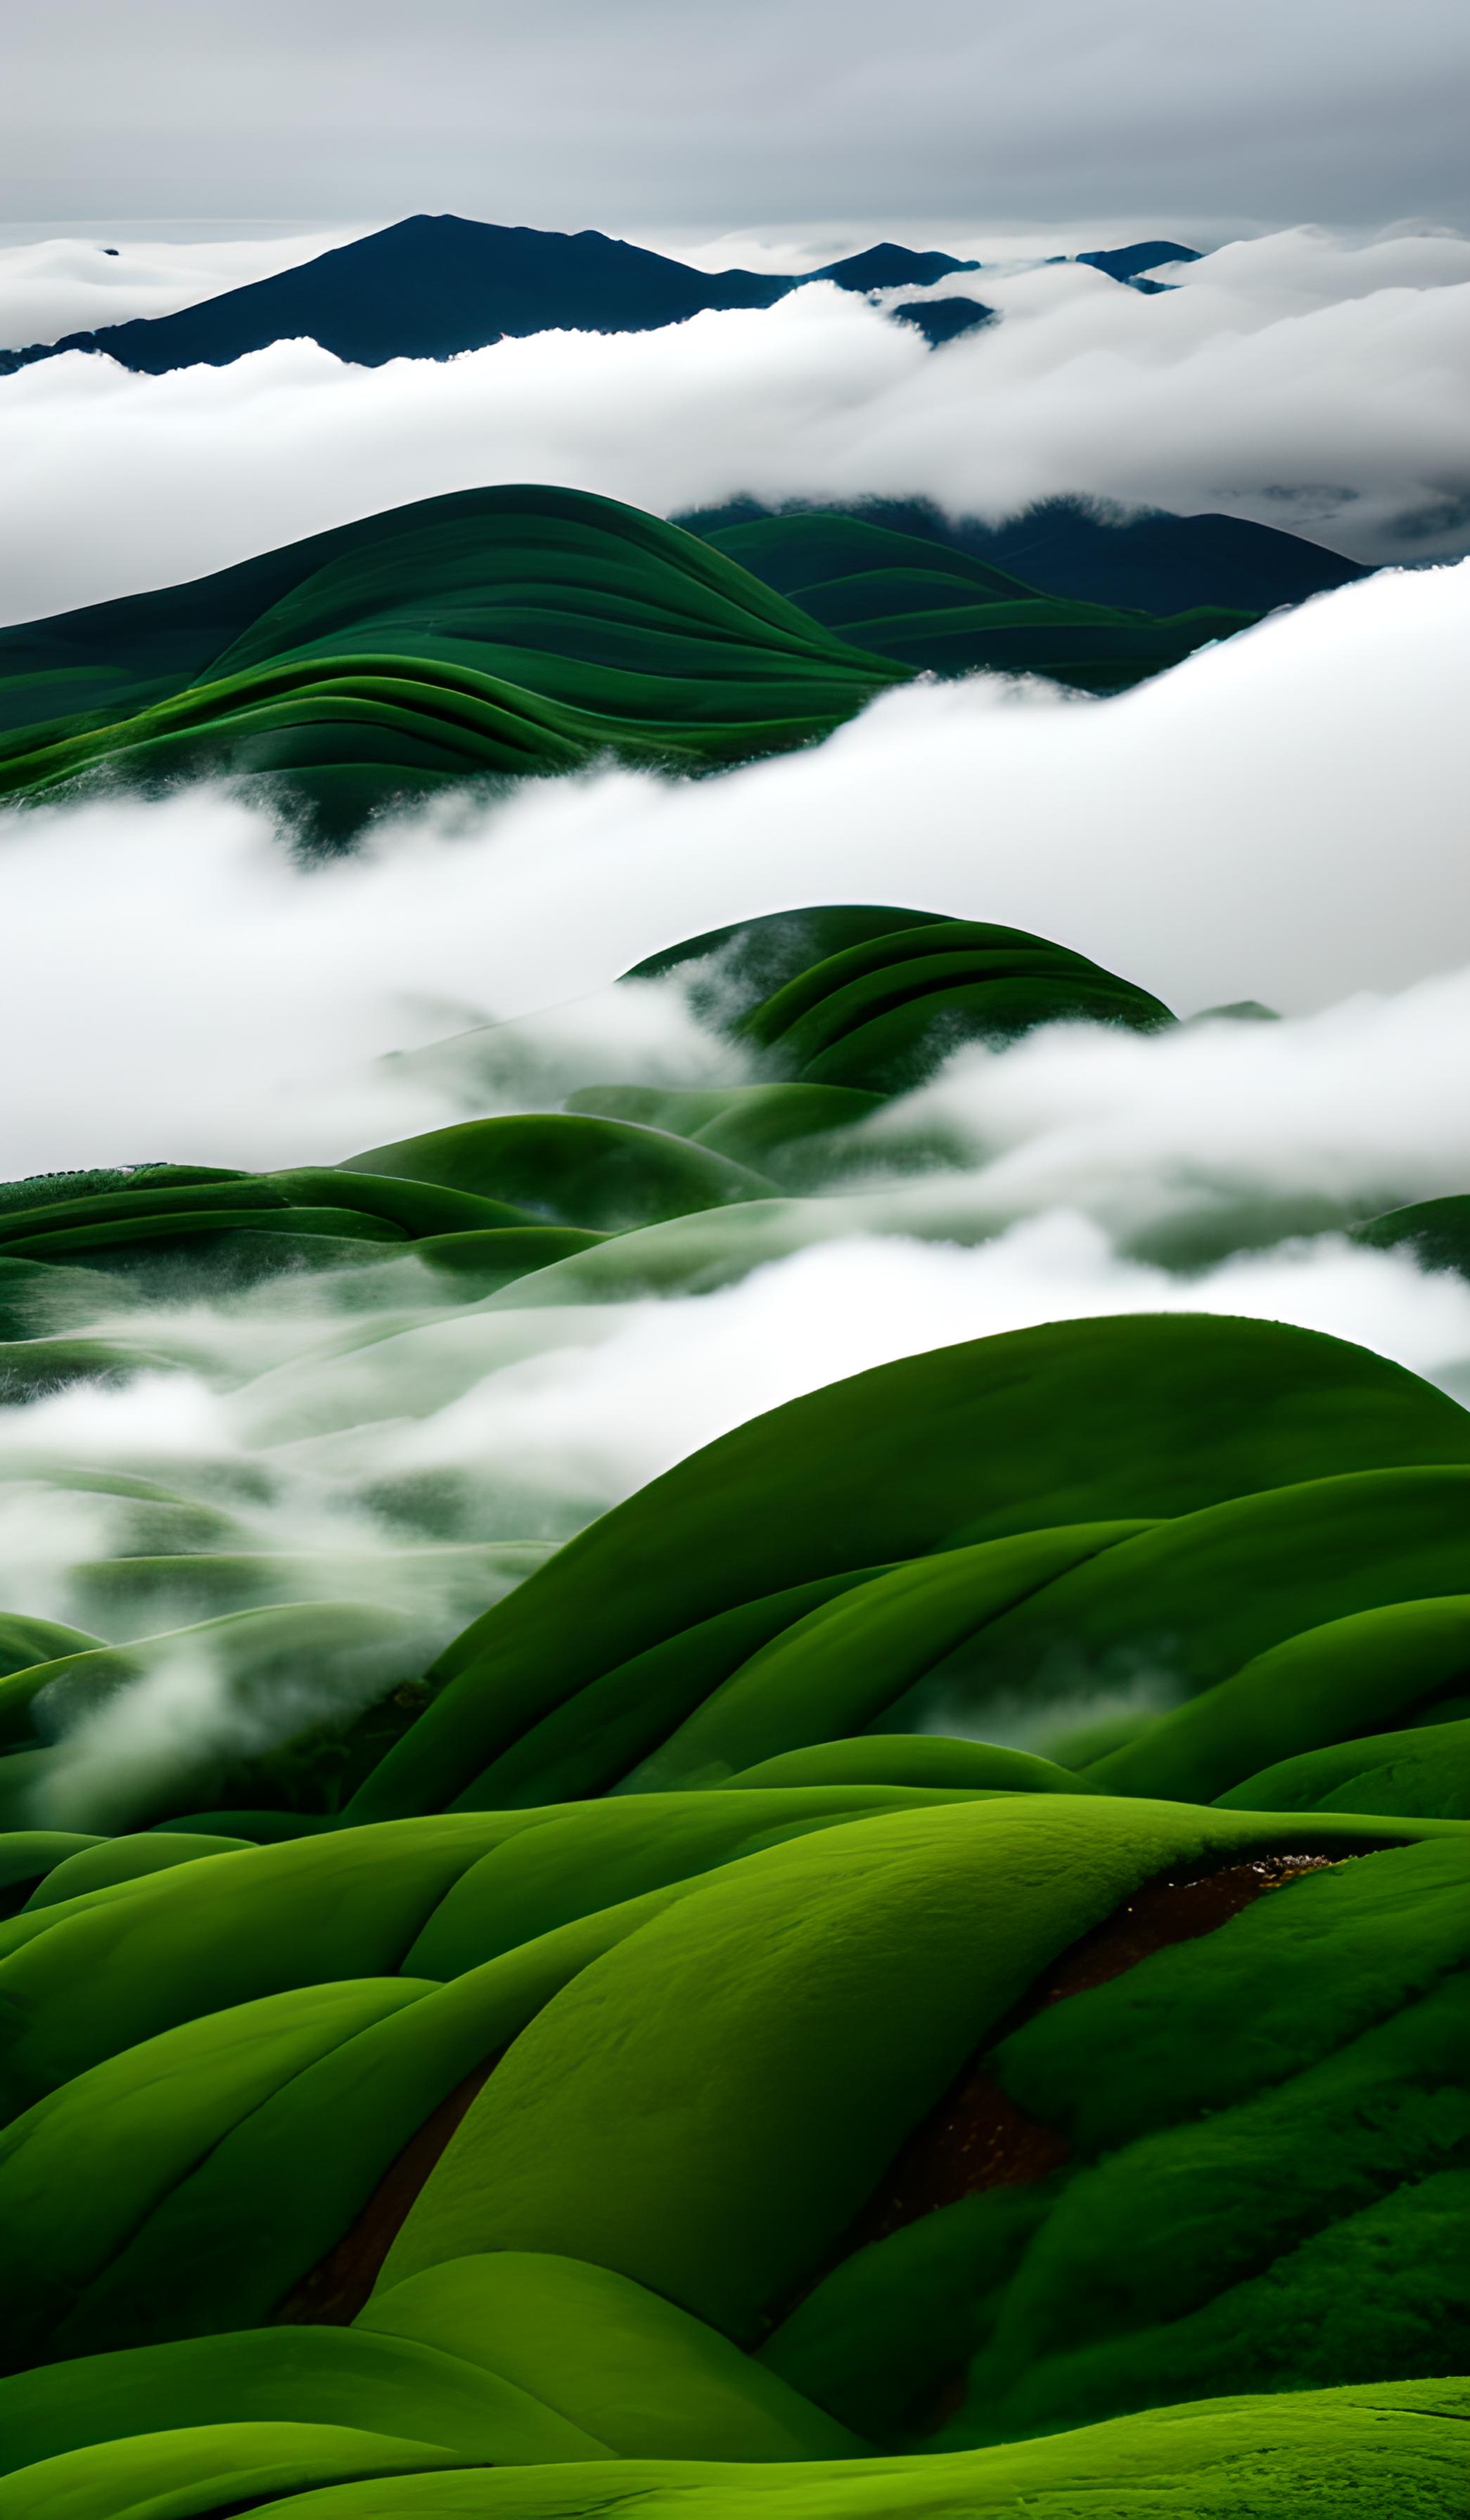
(333,2292)
(975,2137)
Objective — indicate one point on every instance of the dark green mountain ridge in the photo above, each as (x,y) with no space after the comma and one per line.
(1153,562)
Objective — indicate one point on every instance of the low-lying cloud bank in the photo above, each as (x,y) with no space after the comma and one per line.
(1281,817)
(1297,379)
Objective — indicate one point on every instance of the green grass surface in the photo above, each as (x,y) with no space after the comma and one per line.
(499,633)
(596,2017)
(495,632)
(944,610)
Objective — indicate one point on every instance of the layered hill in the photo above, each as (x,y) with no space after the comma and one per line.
(492,631)
(659,2043)
(1154,563)
(514,630)
(933,605)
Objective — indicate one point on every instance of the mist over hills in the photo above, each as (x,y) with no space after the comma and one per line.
(527,628)
(405,1973)
(731,1316)
(429,286)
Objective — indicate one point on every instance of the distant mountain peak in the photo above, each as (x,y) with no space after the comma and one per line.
(1129,263)
(889,266)
(943,319)
(435,284)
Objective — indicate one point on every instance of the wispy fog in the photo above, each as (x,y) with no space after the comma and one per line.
(1366,1106)
(1280,819)
(361,1438)
(421,1460)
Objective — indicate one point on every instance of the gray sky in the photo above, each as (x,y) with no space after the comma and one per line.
(623,113)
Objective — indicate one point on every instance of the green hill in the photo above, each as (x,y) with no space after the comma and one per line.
(505,632)
(944,610)
(499,2023)
(491,631)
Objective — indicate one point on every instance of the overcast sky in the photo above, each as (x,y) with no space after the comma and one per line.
(629,114)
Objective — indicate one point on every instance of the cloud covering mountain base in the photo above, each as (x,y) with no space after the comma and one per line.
(1302,381)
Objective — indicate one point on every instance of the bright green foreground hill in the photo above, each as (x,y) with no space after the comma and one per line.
(651,2036)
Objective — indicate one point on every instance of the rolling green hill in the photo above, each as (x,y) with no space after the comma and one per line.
(505,632)
(492,631)
(944,610)
(498,2023)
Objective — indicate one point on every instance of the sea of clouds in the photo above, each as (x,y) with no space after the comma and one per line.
(1279,819)
(1302,379)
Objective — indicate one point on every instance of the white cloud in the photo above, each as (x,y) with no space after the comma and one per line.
(601,1419)
(532,1419)
(1366,1103)
(1268,277)
(1275,819)
(568,1418)
(1281,817)
(1295,380)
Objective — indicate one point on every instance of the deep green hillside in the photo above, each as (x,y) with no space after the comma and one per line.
(497,2020)
(510,631)
(492,631)
(945,612)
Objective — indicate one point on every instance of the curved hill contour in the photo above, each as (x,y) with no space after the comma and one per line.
(1152,562)
(654,2039)
(498,630)
(926,602)
(525,629)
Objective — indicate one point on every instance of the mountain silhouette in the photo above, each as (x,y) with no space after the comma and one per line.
(429,287)
(943,319)
(1130,262)
(887,266)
